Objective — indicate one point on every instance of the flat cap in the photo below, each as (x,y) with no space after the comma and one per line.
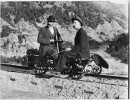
(51,18)
(78,19)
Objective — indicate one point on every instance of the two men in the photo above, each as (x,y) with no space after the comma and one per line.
(46,38)
(48,35)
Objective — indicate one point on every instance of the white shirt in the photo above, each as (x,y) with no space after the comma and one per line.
(51,30)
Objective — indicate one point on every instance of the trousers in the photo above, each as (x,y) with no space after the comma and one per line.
(61,63)
(47,51)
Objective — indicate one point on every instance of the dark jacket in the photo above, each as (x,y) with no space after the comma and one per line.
(80,50)
(82,44)
(44,37)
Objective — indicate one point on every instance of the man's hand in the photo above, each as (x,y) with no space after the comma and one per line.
(67,49)
(52,40)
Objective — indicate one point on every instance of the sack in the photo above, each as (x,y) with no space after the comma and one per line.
(33,57)
(100,61)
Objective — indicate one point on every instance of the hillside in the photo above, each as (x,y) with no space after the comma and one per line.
(92,13)
(20,22)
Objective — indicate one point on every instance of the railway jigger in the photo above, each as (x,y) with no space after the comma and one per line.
(78,67)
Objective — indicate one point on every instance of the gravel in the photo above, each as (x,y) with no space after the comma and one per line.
(60,87)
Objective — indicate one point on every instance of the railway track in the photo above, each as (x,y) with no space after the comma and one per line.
(16,66)
(106,76)
(121,77)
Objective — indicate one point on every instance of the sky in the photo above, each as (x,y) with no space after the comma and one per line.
(114,1)
(118,1)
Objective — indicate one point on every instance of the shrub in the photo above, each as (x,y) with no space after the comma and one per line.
(94,44)
(6,31)
(89,12)
(119,48)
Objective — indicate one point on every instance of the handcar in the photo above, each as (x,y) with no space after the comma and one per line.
(77,67)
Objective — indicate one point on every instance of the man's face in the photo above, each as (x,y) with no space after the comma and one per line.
(50,23)
(76,24)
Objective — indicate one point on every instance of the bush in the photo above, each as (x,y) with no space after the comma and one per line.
(6,31)
(119,48)
(94,44)
(89,12)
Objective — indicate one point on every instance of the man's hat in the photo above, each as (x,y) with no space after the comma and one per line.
(51,18)
(78,19)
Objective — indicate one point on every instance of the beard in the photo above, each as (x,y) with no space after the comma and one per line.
(49,24)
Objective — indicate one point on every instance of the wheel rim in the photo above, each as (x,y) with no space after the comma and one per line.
(39,69)
(51,68)
(97,70)
(76,76)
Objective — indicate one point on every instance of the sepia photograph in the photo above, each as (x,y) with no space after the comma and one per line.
(64,49)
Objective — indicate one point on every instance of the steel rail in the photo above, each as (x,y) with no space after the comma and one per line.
(16,66)
(96,76)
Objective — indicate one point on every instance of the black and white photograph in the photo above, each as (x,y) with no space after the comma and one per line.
(64,49)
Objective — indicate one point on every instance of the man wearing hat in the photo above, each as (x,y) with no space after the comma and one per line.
(46,37)
(81,46)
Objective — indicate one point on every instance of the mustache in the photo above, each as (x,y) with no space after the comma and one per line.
(48,24)
(73,26)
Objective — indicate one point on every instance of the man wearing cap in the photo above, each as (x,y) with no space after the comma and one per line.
(81,46)
(46,37)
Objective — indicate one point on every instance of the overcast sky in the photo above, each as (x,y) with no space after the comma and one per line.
(114,1)
(119,1)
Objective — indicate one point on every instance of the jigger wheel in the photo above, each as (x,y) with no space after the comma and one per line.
(97,70)
(39,69)
(76,76)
